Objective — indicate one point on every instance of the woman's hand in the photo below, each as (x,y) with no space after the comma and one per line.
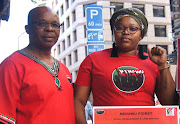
(165,86)
(158,55)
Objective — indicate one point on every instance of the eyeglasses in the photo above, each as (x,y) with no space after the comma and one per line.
(44,24)
(131,30)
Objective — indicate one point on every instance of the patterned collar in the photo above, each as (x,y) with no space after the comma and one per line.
(54,71)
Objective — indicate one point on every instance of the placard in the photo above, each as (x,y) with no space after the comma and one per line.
(136,115)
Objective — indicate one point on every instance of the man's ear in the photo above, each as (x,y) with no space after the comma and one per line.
(27,28)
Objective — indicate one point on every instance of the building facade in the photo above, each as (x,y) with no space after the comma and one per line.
(175,13)
(71,48)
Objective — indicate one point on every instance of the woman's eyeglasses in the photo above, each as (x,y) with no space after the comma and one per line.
(121,29)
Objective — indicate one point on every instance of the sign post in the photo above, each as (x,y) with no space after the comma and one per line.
(94,28)
(94,17)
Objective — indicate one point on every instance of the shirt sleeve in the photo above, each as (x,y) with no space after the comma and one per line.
(85,72)
(9,91)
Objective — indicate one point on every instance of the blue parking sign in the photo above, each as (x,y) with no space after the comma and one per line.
(93,48)
(95,35)
(94,17)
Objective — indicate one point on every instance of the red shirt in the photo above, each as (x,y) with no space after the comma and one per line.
(29,94)
(118,81)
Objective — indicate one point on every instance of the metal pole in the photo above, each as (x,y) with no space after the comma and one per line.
(19,38)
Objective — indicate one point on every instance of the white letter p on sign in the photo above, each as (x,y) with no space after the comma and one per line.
(94,13)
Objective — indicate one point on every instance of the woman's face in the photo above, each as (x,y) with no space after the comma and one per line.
(127,41)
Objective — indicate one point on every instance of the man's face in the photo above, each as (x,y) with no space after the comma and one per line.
(43,28)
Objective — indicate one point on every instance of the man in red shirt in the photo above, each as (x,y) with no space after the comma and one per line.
(35,88)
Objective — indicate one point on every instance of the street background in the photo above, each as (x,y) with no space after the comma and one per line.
(13,31)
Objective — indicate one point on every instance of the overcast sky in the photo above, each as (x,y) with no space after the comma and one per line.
(13,31)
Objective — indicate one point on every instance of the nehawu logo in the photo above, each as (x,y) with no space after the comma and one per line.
(128,79)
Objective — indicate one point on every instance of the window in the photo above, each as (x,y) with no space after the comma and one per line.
(63,45)
(84,11)
(74,36)
(158,11)
(84,31)
(69,40)
(76,72)
(54,52)
(160,31)
(86,52)
(75,56)
(57,13)
(74,16)
(61,10)
(177,34)
(176,16)
(58,49)
(115,7)
(67,4)
(164,46)
(62,28)
(64,61)
(176,9)
(138,6)
(144,48)
(68,22)
(69,60)
(175,1)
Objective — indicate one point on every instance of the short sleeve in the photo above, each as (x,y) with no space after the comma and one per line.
(9,90)
(84,73)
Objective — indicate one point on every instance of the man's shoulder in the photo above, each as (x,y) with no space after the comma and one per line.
(11,61)
(13,57)
(17,59)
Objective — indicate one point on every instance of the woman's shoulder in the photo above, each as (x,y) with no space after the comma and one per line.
(105,52)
